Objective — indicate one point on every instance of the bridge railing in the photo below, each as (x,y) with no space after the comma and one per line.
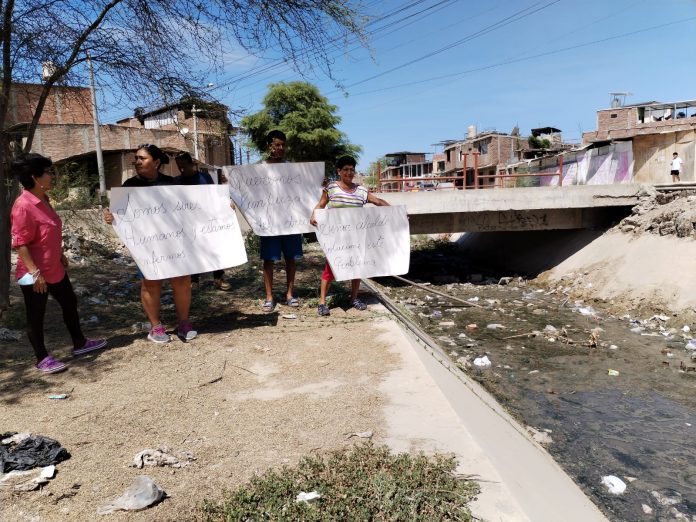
(499,179)
(419,184)
(402,184)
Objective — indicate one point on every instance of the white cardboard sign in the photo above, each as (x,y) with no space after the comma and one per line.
(365,242)
(276,198)
(177,230)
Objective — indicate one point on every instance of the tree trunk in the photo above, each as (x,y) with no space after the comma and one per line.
(7,197)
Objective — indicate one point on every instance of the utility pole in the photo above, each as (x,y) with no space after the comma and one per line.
(194,111)
(97,135)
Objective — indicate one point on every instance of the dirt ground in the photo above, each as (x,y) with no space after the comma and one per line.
(253,391)
(644,264)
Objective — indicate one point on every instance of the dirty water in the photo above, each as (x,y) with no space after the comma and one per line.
(637,424)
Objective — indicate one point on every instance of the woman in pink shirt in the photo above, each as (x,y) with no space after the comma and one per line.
(37,235)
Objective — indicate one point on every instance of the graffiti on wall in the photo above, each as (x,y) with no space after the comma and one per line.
(606,165)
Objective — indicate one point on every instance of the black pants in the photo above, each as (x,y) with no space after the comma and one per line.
(216,275)
(35,304)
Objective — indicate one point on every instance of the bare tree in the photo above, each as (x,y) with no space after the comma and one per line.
(148,50)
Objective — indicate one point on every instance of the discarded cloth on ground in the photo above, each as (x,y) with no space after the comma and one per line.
(161,456)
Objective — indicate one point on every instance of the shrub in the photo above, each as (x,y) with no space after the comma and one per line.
(364,482)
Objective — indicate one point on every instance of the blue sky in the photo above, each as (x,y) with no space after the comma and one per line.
(519,73)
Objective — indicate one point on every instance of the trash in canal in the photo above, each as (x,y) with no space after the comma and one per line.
(482,362)
(59,396)
(495,326)
(613,373)
(614,484)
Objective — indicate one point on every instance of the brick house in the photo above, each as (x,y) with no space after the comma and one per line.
(655,130)
(66,131)
(486,153)
(411,166)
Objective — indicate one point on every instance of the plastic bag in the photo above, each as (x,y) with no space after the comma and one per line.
(142,494)
(34,451)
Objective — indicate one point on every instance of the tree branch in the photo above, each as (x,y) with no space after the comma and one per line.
(6,61)
(63,69)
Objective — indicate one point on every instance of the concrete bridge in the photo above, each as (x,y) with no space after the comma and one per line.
(517,209)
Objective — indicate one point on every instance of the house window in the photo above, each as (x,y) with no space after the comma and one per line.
(448,155)
(483,147)
(614,115)
(160,120)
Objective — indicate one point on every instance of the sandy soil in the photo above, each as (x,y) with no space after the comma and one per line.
(633,272)
(644,264)
(253,391)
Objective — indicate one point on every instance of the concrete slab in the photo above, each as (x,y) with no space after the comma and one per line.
(516,209)
(434,409)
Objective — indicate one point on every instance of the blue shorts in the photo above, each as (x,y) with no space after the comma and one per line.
(272,246)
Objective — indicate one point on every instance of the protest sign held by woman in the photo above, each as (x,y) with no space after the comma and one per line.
(148,160)
(343,193)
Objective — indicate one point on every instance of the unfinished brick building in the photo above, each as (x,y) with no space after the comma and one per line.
(655,130)
(66,131)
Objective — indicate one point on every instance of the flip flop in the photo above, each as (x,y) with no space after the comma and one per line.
(293,302)
(268,306)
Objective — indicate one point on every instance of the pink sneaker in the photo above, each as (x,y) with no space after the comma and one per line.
(90,346)
(186,331)
(158,334)
(50,365)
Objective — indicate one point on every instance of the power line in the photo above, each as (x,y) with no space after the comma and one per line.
(518,15)
(526,58)
(282,63)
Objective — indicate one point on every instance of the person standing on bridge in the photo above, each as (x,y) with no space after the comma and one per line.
(675,167)
(343,194)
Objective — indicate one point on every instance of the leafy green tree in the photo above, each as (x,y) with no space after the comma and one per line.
(308,120)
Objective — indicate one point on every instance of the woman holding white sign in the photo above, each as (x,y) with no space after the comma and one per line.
(37,235)
(343,194)
(148,160)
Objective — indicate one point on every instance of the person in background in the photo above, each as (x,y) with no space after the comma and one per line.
(190,176)
(290,246)
(675,167)
(37,235)
(148,160)
(343,193)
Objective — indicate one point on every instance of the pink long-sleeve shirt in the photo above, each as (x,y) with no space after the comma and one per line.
(38,227)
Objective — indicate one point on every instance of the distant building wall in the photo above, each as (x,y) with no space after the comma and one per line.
(60,142)
(64,105)
(653,154)
(606,165)
(625,122)
(65,142)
